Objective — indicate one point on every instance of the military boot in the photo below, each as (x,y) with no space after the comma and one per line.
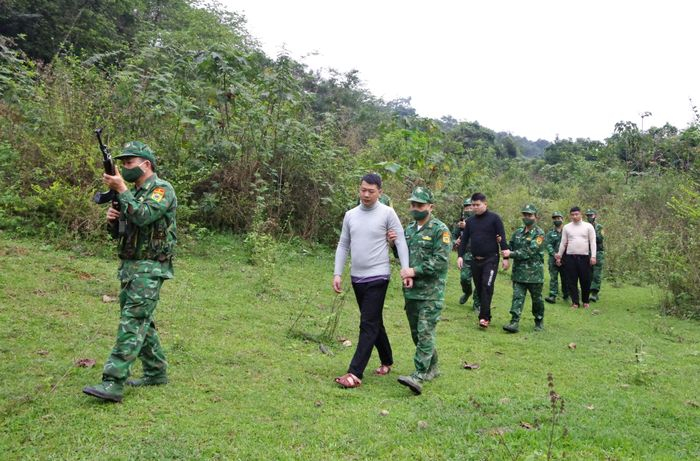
(551,299)
(594,296)
(539,324)
(432,373)
(106,390)
(412,383)
(463,299)
(512,327)
(148,381)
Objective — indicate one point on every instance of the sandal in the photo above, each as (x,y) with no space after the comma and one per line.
(383,370)
(348,381)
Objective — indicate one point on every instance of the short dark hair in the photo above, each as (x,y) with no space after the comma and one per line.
(372,178)
(574,208)
(479,197)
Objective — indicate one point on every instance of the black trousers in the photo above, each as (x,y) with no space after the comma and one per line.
(578,270)
(370,298)
(484,275)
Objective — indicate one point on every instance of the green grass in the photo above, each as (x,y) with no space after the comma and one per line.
(243,388)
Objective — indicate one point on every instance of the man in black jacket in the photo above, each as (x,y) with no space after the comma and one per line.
(487,239)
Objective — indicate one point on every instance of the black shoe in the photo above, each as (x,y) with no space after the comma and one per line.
(551,299)
(594,296)
(463,299)
(512,327)
(539,325)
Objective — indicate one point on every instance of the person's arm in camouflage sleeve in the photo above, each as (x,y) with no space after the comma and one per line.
(438,260)
(152,208)
(113,222)
(457,230)
(549,245)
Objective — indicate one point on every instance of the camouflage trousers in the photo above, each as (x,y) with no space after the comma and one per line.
(597,274)
(519,293)
(555,274)
(423,316)
(137,336)
(465,279)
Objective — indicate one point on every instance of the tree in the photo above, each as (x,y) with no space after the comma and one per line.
(43,28)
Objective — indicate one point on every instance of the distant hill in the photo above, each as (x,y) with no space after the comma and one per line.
(526,147)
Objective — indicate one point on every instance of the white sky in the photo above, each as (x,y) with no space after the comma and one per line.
(537,68)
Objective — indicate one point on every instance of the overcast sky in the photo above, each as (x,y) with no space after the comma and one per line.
(538,68)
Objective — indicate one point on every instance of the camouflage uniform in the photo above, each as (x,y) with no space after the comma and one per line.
(146,252)
(386,200)
(465,274)
(527,253)
(597,271)
(429,252)
(556,273)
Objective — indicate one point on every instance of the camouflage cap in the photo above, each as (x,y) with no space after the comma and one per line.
(421,195)
(590,211)
(138,149)
(467,201)
(529,208)
(556,214)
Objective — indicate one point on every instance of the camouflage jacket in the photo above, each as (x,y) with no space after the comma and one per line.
(147,246)
(598,237)
(552,241)
(527,253)
(428,253)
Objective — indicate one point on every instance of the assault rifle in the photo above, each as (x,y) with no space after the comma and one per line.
(110,196)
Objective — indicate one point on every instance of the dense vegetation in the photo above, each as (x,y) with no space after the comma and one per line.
(261,145)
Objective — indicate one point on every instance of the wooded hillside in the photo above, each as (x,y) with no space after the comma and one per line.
(264,145)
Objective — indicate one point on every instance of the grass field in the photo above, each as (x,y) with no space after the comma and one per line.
(243,387)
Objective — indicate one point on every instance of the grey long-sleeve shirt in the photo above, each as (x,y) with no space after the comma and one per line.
(364,236)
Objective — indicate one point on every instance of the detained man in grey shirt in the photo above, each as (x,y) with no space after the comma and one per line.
(364,234)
